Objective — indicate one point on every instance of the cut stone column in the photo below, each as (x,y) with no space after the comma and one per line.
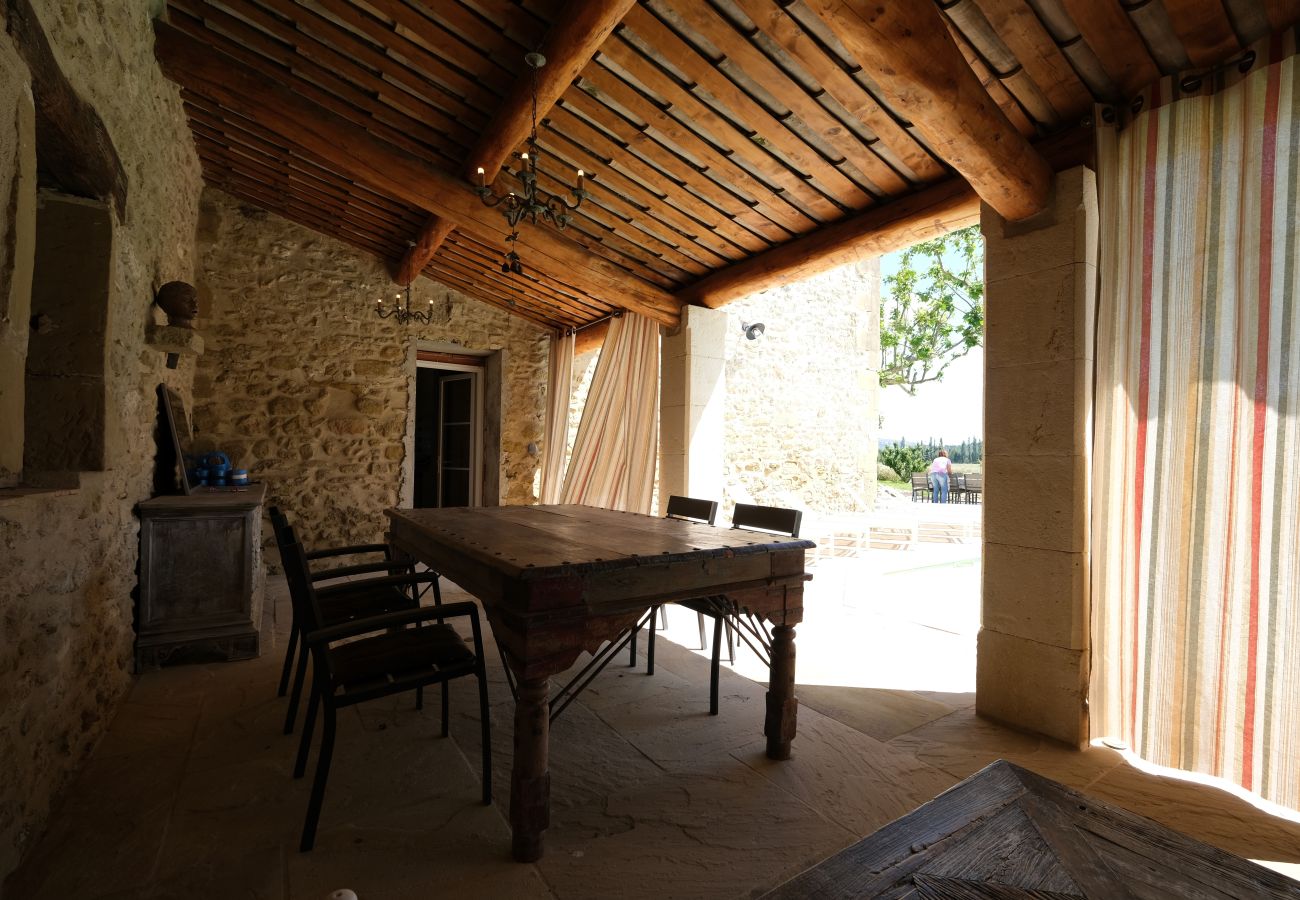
(1040,301)
(692,411)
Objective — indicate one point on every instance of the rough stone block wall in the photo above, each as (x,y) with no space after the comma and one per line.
(68,558)
(801,420)
(304,386)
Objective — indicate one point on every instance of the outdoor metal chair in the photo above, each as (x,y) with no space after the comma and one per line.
(726,613)
(973,490)
(688,509)
(347,601)
(368,658)
(920,486)
(957,488)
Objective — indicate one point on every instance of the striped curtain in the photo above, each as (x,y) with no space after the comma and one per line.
(1196,479)
(617,445)
(556,441)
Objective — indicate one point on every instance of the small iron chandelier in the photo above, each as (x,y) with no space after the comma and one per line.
(403,312)
(530,202)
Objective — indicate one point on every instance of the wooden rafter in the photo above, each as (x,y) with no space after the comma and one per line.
(907,49)
(735,143)
(569,46)
(358,155)
(932,212)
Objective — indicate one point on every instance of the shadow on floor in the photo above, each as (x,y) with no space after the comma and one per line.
(190,794)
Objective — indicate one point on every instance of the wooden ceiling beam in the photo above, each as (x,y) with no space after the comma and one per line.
(426,244)
(929,213)
(359,156)
(907,50)
(568,48)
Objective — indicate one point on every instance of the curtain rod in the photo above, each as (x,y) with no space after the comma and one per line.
(616,314)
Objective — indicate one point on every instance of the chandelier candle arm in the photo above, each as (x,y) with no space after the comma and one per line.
(530,201)
(403,313)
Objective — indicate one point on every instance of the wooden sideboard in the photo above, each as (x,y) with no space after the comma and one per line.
(201,577)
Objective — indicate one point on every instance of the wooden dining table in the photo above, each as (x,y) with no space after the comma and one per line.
(558,581)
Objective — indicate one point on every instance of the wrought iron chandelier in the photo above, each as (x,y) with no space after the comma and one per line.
(529,201)
(403,312)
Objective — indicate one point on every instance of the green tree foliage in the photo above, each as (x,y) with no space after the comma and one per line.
(933,309)
(905,458)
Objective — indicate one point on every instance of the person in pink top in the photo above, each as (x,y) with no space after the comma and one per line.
(940,472)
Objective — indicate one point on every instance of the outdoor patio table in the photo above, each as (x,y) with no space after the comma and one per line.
(558,580)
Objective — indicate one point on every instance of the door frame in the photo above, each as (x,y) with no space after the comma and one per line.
(475,428)
(487,411)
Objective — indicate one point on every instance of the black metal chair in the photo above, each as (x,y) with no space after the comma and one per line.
(724,611)
(688,509)
(367,658)
(342,603)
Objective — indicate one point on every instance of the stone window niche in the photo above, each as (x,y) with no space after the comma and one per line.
(66,403)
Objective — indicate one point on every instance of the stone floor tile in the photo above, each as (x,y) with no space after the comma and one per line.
(675,731)
(962,743)
(850,778)
(416,851)
(882,714)
(101,848)
(686,835)
(248,875)
(1205,813)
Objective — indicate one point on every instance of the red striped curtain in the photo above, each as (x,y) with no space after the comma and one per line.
(617,444)
(1196,478)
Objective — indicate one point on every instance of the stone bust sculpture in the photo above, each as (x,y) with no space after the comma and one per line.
(180,301)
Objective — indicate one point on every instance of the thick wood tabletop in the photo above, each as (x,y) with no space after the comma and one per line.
(528,542)
(555,580)
(1006,832)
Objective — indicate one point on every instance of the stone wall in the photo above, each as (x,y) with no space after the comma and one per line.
(68,557)
(801,407)
(303,385)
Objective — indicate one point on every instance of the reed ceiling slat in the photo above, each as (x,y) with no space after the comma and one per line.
(713,132)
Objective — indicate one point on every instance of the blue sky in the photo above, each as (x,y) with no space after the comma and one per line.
(952,409)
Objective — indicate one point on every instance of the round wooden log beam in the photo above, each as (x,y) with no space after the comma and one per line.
(906,49)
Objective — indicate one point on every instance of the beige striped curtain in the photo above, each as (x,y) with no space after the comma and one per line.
(1196,516)
(556,439)
(617,444)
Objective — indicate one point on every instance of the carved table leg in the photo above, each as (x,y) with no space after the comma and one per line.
(530,782)
(782,706)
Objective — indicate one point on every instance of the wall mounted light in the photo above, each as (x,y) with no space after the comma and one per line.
(404,314)
(753,332)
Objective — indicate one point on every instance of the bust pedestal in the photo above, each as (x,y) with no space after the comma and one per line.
(201,577)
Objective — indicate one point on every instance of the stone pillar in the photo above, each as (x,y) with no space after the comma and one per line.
(1041,283)
(692,411)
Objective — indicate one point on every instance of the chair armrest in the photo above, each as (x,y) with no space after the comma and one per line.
(393,620)
(344,551)
(362,569)
(371,583)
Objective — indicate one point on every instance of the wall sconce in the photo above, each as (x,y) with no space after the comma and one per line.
(753,332)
